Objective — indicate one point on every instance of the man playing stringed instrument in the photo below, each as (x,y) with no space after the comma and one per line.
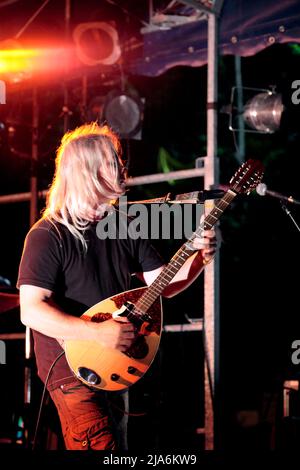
(65,269)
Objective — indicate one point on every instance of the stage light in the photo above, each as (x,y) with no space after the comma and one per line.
(123,112)
(97,43)
(19,64)
(16,60)
(261,112)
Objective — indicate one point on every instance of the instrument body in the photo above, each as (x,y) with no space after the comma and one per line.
(117,370)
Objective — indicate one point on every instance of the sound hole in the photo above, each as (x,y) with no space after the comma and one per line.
(89,375)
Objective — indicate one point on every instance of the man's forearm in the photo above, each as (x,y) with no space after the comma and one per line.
(186,275)
(48,319)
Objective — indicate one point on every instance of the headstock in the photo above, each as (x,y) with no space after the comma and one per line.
(247,177)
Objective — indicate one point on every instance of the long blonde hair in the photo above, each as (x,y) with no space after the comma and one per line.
(89,174)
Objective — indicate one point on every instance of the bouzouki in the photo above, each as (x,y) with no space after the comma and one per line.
(108,369)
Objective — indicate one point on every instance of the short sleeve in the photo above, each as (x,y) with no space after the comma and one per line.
(146,256)
(40,263)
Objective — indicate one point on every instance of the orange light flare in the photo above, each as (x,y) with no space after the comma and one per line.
(33,61)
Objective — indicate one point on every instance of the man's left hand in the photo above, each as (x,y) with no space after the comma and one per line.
(208,245)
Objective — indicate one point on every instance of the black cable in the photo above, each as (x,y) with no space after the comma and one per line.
(43,398)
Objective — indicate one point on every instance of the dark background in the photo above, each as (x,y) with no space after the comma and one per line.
(259,252)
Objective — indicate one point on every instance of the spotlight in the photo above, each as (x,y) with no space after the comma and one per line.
(261,112)
(97,43)
(123,111)
(15,61)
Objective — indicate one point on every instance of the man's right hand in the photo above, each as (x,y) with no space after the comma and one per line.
(116,334)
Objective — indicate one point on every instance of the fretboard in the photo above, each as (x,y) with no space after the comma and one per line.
(180,257)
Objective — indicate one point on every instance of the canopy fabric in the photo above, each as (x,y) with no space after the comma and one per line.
(246,27)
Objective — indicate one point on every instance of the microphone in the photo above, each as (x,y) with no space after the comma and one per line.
(262,190)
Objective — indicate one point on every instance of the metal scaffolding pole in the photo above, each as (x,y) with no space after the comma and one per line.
(211,276)
(66,110)
(133,181)
(240,151)
(211,178)
(34,160)
(33,217)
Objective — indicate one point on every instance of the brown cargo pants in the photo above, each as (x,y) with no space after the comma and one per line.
(87,420)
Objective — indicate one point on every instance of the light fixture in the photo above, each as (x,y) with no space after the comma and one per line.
(15,61)
(261,112)
(123,112)
(97,43)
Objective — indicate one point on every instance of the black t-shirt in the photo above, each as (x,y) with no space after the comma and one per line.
(54,259)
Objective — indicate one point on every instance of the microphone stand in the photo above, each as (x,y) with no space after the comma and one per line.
(288,212)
